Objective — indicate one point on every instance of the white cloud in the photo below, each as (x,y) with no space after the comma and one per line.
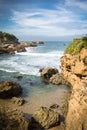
(58,22)
(80,4)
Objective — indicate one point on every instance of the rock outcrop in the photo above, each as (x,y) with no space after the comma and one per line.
(9,89)
(12,119)
(9,44)
(46,117)
(74,70)
(47,73)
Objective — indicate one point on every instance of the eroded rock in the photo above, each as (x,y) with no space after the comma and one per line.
(12,119)
(58,79)
(47,73)
(46,117)
(9,89)
(74,71)
(18,101)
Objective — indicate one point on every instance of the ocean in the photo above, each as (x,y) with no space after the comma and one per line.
(27,64)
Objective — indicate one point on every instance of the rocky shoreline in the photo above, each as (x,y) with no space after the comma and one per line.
(9,44)
(74,74)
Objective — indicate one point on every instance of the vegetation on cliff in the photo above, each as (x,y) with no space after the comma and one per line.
(6,36)
(76,45)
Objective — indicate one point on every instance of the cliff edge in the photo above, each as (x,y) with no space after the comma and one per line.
(74,70)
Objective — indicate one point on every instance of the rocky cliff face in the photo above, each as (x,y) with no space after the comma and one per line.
(74,70)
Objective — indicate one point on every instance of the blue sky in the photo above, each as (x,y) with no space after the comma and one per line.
(44,19)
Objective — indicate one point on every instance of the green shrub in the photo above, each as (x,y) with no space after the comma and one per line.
(10,37)
(76,46)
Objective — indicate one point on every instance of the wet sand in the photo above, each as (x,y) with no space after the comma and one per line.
(45,99)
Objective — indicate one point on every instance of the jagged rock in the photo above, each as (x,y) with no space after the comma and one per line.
(46,117)
(47,73)
(20,48)
(54,106)
(18,101)
(3,51)
(58,79)
(12,119)
(9,89)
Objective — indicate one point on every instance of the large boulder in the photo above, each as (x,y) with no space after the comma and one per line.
(58,79)
(9,89)
(47,73)
(46,118)
(12,119)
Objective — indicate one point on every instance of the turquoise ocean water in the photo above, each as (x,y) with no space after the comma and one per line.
(27,64)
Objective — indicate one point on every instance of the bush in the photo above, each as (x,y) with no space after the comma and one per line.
(76,46)
(10,37)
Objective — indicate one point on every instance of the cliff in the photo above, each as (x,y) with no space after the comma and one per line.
(74,70)
(9,44)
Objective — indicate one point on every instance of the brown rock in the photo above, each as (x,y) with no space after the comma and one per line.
(20,48)
(75,72)
(54,106)
(3,51)
(58,79)
(12,119)
(9,89)
(47,73)
(46,117)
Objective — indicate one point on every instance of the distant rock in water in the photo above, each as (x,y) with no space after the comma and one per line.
(18,77)
(38,42)
(9,89)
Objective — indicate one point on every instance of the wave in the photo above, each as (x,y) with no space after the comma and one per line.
(50,54)
(32,60)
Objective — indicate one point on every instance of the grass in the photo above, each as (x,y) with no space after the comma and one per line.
(76,46)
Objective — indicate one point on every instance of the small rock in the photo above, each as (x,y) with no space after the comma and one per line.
(54,106)
(18,101)
(18,77)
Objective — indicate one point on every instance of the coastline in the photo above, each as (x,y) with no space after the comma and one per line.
(59,102)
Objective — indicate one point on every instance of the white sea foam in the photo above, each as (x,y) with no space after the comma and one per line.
(31,61)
